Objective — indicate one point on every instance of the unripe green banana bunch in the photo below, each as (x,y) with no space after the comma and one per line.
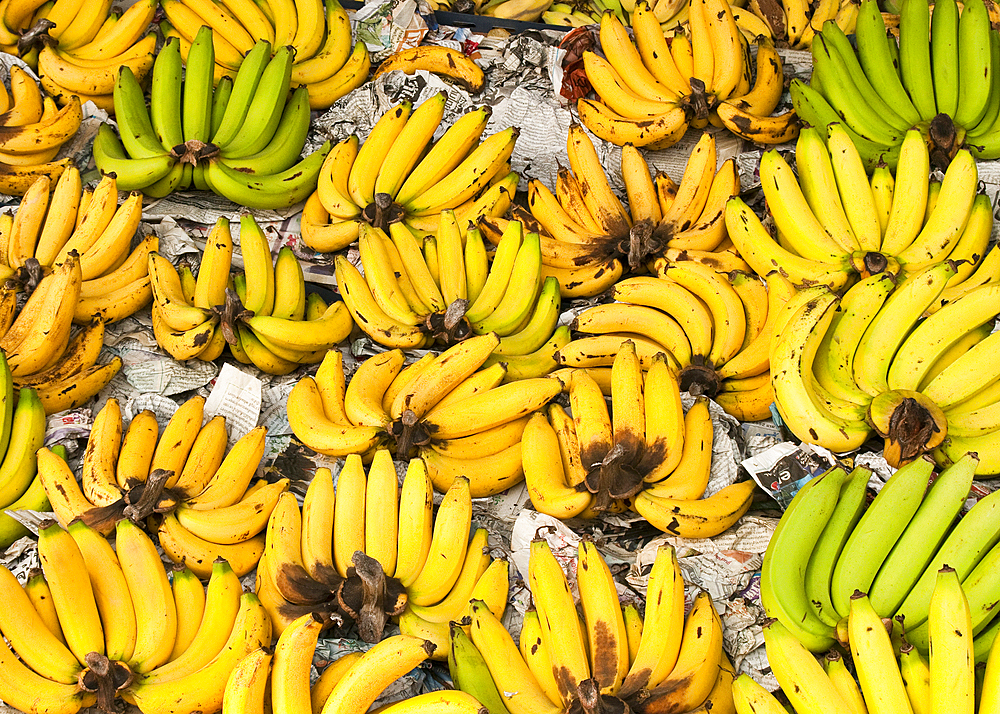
(836,223)
(951,676)
(456,415)
(644,448)
(208,505)
(870,360)
(942,78)
(610,659)
(240,140)
(260,313)
(391,177)
(33,130)
(418,291)
(323,59)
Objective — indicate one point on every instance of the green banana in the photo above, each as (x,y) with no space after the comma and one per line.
(265,108)
(944,55)
(782,576)
(915,56)
(199,78)
(244,88)
(133,174)
(220,101)
(877,53)
(846,514)
(278,190)
(286,146)
(922,537)
(470,674)
(165,93)
(878,530)
(137,135)
(975,65)
(26,435)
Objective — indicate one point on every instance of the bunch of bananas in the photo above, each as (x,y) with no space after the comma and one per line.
(261,316)
(845,366)
(89,70)
(439,60)
(461,421)
(351,683)
(317,31)
(41,350)
(400,174)
(22,429)
(714,328)
(242,140)
(671,14)
(835,224)
(33,130)
(49,227)
(587,234)
(596,663)
(412,295)
(828,547)
(208,505)
(951,678)
(651,91)
(946,85)
(794,23)
(118,629)
(395,559)
(645,449)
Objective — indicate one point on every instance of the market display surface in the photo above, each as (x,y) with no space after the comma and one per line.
(589,358)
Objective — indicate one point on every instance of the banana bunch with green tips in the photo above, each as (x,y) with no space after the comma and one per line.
(242,140)
(839,220)
(264,315)
(420,288)
(610,659)
(400,173)
(942,78)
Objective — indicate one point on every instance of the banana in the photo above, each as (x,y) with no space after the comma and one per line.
(189,599)
(439,60)
(182,546)
(872,649)
(72,592)
(447,549)
(31,692)
(293,656)
(310,424)
(236,523)
(377,668)
(317,526)
(545,474)
(456,604)
(470,673)
(694,676)
(416,500)
(27,633)
(799,674)
(518,687)
(277,190)
(382,511)
(351,75)
(245,687)
(609,654)
(204,689)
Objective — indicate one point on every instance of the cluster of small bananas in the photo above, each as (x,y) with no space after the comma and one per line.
(588,236)
(834,223)
(715,329)
(438,59)
(398,173)
(651,91)
(645,452)
(395,559)
(22,429)
(413,295)
(900,558)
(260,313)
(279,678)
(73,250)
(242,139)
(208,505)
(90,71)
(113,627)
(76,47)
(795,24)
(460,421)
(947,85)
(611,660)
(843,367)
(317,33)
(33,130)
